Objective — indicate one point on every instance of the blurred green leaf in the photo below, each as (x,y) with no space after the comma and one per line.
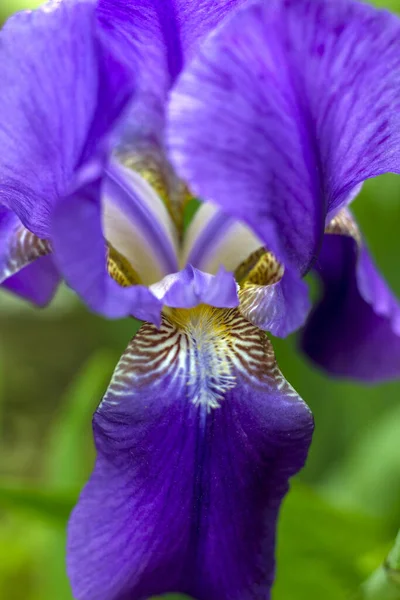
(14,5)
(373,463)
(191,209)
(321,548)
(47,505)
(70,449)
(69,458)
(384,583)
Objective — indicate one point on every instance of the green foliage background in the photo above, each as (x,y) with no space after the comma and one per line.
(337,523)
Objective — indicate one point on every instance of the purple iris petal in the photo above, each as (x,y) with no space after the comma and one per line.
(9,226)
(184,498)
(191,287)
(121,186)
(38,282)
(80,254)
(19,247)
(157,37)
(61,91)
(285,109)
(210,237)
(355,329)
(280,308)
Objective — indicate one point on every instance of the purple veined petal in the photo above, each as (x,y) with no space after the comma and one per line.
(354,330)
(215,239)
(25,268)
(136,222)
(196,439)
(62,92)
(280,308)
(37,282)
(282,142)
(18,246)
(346,202)
(158,37)
(191,287)
(80,254)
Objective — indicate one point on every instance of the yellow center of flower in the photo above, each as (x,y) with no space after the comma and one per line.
(260,268)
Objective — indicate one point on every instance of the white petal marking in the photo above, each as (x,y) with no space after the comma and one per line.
(198,353)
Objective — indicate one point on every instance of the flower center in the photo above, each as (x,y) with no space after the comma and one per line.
(143,224)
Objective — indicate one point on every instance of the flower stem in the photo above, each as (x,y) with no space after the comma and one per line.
(384,583)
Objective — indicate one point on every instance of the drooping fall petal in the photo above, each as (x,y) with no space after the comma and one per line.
(196,439)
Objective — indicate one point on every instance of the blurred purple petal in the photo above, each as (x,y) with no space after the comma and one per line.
(286,108)
(61,92)
(184,497)
(354,330)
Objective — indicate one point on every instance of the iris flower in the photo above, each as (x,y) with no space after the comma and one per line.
(114,116)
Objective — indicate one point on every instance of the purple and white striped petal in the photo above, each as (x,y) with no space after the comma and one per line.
(80,253)
(132,220)
(18,246)
(278,302)
(136,222)
(285,109)
(354,331)
(214,238)
(196,439)
(280,307)
(18,249)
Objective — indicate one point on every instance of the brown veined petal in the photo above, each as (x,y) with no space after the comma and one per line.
(197,437)
(19,246)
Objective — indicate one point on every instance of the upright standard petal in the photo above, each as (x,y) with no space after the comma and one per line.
(196,439)
(61,92)
(354,330)
(285,109)
(158,36)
